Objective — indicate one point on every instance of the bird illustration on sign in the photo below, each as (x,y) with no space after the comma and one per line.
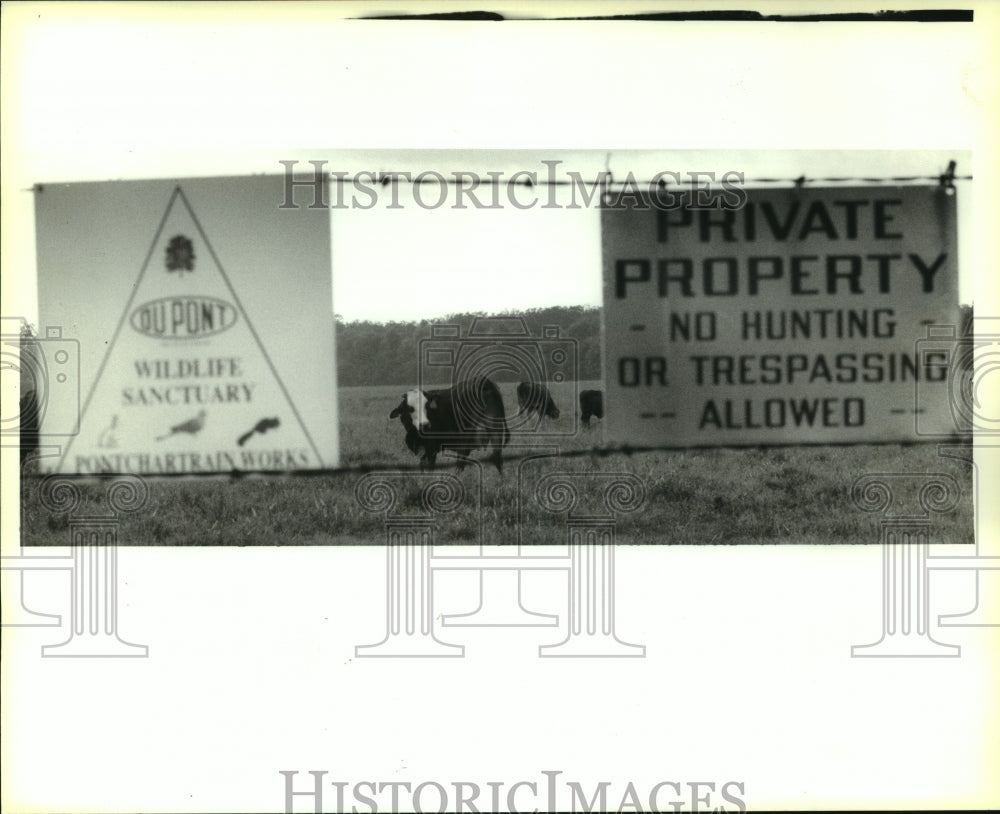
(192,426)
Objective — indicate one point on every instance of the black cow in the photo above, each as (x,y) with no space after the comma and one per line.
(465,417)
(29,414)
(533,397)
(591,404)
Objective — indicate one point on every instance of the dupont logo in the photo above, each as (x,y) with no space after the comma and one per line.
(183,317)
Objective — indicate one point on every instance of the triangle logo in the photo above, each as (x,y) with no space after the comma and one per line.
(186,384)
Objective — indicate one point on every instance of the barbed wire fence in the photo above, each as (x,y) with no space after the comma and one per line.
(603,451)
(606,177)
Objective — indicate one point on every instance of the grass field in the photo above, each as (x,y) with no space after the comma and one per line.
(755,496)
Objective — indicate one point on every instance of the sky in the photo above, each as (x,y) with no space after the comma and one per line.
(413,262)
(416,263)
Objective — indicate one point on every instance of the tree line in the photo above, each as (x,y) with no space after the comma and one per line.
(377,353)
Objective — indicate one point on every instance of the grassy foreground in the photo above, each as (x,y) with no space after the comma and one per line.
(700,497)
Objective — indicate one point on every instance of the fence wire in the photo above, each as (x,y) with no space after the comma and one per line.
(454,461)
(385,177)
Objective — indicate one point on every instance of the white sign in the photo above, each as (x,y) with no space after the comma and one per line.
(202,317)
(778,316)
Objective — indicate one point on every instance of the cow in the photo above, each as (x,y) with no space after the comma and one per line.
(591,404)
(465,417)
(533,397)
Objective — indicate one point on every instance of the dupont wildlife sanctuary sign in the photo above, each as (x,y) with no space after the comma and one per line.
(783,316)
(203,318)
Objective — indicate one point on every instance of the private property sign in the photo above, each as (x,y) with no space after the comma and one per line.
(795,317)
(202,316)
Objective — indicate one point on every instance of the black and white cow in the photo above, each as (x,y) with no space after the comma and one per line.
(591,404)
(533,397)
(465,417)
